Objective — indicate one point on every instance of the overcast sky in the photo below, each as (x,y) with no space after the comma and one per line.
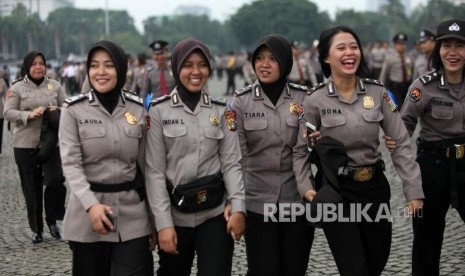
(220,9)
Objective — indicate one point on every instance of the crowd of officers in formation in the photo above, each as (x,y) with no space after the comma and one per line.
(150,159)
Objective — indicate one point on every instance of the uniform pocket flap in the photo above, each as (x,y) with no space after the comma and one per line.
(255,124)
(174,131)
(213,133)
(372,116)
(332,121)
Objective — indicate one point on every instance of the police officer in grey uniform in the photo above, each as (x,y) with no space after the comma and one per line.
(437,100)
(25,105)
(268,114)
(352,110)
(160,81)
(192,138)
(396,73)
(301,73)
(102,132)
(423,62)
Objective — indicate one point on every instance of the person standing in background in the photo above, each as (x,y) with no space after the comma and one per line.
(396,73)
(230,73)
(423,62)
(29,98)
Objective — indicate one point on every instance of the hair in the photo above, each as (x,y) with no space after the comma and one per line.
(326,39)
(435,57)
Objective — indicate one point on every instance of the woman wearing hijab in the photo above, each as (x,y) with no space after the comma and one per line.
(102,134)
(30,97)
(192,169)
(268,114)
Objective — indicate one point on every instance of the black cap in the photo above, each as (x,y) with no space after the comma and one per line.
(400,37)
(426,35)
(158,45)
(454,28)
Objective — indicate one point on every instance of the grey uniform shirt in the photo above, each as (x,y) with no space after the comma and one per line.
(392,68)
(100,147)
(153,82)
(183,146)
(23,97)
(422,66)
(356,123)
(440,109)
(267,135)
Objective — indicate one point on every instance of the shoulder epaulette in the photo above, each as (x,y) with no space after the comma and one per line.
(243,91)
(303,88)
(373,81)
(430,77)
(133,97)
(316,87)
(16,80)
(76,99)
(218,101)
(159,100)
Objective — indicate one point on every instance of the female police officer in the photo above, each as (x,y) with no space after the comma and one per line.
(102,142)
(25,105)
(268,114)
(352,110)
(438,100)
(192,165)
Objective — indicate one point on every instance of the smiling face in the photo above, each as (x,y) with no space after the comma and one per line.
(266,66)
(194,72)
(37,70)
(343,55)
(102,72)
(452,54)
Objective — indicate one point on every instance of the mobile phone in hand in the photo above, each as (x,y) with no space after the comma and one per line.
(310,129)
(112,218)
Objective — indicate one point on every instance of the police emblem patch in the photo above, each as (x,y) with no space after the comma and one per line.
(390,99)
(230,116)
(368,102)
(214,120)
(414,95)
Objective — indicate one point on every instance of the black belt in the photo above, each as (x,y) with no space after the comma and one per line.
(137,184)
(362,174)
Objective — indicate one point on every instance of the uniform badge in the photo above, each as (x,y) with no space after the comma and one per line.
(390,100)
(214,120)
(230,116)
(414,95)
(50,87)
(295,109)
(368,102)
(130,118)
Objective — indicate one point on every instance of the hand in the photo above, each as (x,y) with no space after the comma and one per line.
(168,240)
(236,225)
(153,240)
(314,135)
(97,216)
(414,206)
(36,113)
(227,212)
(52,107)
(390,143)
(310,194)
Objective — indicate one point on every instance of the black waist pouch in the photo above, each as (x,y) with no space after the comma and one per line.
(198,195)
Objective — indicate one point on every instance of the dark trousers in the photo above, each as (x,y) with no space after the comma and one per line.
(33,176)
(428,230)
(231,85)
(1,134)
(361,248)
(277,248)
(399,90)
(213,245)
(131,257)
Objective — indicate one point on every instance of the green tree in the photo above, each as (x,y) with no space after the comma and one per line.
(369,26)
(295,19)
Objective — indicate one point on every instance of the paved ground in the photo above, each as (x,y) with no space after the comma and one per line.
(18,256)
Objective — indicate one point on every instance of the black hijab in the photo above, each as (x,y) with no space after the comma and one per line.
(27,64)
(282,51)
(180,53)
(110,99)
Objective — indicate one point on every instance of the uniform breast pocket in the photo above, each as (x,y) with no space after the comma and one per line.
(28,101)
(372,120)
(256,131)
(175,138)
(213,136)
(94,142)
(442,112)
(332,121)
(292,130)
